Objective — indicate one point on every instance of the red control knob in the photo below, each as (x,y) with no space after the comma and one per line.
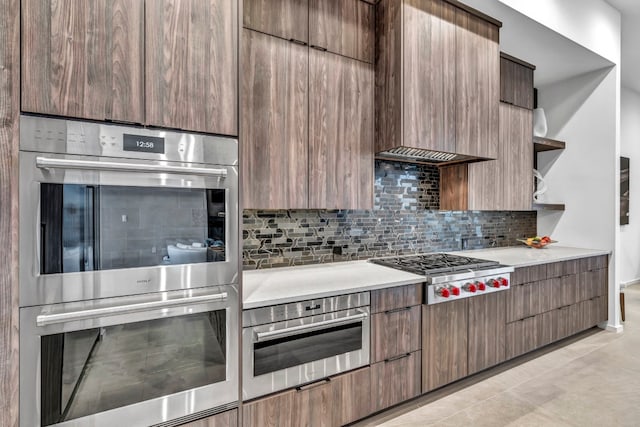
(481,286)
(470,287)
(455,290)
(444,292)
(494,283)
(503,281)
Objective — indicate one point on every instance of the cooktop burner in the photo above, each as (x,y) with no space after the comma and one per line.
(431,264)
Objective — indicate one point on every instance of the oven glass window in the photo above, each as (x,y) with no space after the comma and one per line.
(86,228)
(282,353)
(91,371)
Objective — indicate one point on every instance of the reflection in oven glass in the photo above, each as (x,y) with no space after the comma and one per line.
(90,227)
(92,371)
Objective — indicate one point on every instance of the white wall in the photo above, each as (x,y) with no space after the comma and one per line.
(629,256)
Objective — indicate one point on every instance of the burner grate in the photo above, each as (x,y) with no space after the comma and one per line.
(431,264)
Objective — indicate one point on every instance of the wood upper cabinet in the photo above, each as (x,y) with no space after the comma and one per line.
(287,19)
(478,86)
(516,82)
(444,343)
(487,328)
(437,78)
(345,27)
(83,59)
(274,121)
(191,65)
(340,132)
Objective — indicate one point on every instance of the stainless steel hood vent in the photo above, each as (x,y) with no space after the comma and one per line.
(418,155)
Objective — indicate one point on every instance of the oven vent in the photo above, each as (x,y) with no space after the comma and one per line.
(419,155)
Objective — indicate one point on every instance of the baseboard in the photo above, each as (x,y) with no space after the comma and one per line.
(629,283)
(612,328)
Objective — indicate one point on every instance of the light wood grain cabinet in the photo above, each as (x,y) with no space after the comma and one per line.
(84,59)
(487,329)
(516,82)
(444,343)
(287,19)
(395,380)
(340,132)
(224,419)
(165,63)
(437,74)
(274,121)
(191,65)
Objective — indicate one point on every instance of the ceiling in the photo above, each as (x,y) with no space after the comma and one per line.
(630,67)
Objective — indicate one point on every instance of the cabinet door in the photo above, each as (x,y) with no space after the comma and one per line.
(345,27)
(429,75)
(83,58)
(395,332)
(444,343)
(273,411)
(191,65)
(487,323)
(522,301)
(340,132)
(224,419)
(274,121)
(351,396)
(515,158)
(287,19)
(521,336)
(314,405)
(478,87)
(395,380)
(516,84)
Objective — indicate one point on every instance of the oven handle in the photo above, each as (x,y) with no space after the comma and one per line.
(301,329)
(51,163)
(51,319)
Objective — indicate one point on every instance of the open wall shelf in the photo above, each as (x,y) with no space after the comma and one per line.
(546,144)
(548,206)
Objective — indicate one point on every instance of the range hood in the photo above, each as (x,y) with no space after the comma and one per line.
(420,155)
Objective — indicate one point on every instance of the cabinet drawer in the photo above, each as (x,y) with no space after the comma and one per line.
(524,300)
(533,273)
(395,380)
(351,396)
(395,332)
(594,263)
(593,284)
(521,336)
(592,312)
(398,297)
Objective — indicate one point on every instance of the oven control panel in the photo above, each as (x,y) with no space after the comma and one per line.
(467,288)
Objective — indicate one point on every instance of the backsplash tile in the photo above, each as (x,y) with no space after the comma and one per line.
(404,220)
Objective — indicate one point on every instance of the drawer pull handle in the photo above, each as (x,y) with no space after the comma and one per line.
(323,49)
(397,310)
(312,307)
(393,359)
(300,42)
(314,385)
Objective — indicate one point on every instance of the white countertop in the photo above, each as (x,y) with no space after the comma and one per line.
(289,284)
(522,256)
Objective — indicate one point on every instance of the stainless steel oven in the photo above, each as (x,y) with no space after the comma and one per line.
(293,344)
(129,361)
(110,211)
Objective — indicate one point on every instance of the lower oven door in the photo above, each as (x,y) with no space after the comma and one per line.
(286,354)
(134,361)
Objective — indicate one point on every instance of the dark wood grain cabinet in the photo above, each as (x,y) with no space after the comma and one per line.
(444,343)
(487,329)
(274,122)
(166,63)
(191,65)
(84,59)
(395,380)
(223,419)
(340,132)
(455,109)
(516,82)
(395,332)
(287,19)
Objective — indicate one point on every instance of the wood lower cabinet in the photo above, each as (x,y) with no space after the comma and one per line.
(224,419)
(345,27)
(487,329)
(444,343)
(395,380)
(191,65)
(335,401)
(84,59)
(274,122)
(395,298)
(521,337)
(395,332)
(287,19)
(340,132)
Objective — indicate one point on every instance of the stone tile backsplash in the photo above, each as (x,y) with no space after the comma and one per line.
(405,220)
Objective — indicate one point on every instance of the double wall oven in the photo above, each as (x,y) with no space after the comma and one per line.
(128,274)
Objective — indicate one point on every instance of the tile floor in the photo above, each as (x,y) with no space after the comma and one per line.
(589,380)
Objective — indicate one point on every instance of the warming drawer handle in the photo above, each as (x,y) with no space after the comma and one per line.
(51,319)
(301,329)
(51,163)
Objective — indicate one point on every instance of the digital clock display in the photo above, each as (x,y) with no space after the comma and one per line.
(144,144)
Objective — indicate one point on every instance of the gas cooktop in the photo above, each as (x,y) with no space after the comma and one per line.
(433,264)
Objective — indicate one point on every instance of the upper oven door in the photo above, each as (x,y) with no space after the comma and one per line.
(95,227)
